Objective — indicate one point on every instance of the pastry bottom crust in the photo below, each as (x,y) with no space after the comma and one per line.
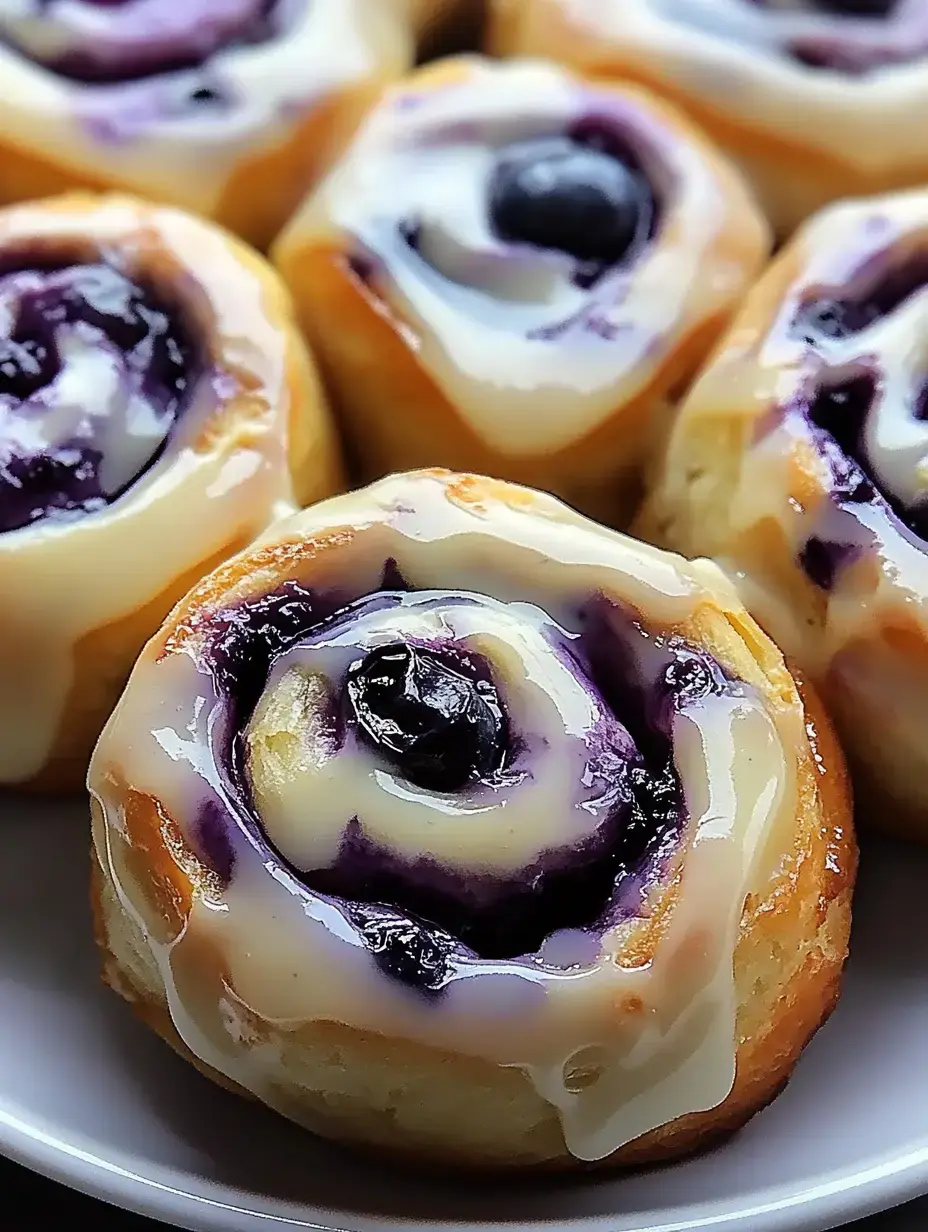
(450,1110)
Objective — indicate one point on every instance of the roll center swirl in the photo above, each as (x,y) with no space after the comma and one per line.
(95,370)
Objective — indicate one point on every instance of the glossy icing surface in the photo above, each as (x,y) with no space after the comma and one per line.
(189,499)
(173,96)
(546,243)
(822,527)
(70,330)
(622,753)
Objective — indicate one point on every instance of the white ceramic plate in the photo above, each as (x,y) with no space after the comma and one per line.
(87,1097)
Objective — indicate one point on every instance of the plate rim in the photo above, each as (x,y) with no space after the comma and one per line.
(871,1191)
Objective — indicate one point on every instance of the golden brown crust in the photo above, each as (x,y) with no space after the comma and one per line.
(788,960)
(395,415)
(289,405)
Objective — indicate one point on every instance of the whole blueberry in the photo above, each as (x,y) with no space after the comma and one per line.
(557,193)
(440,726)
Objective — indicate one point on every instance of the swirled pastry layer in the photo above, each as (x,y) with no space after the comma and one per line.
(153,398)
(800,461)
(226,107)
(442,764)
(532,265)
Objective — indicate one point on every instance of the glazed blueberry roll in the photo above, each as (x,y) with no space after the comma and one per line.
(446,822)
(515,271)
(154,400)
(800,461)
(229,108)
(816,99)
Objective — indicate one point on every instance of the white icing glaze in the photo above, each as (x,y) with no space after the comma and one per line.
(117,420)
(504,828)
(62,581)
(291,960)
(699,47)
(838,254)
(532,360)
(148,138)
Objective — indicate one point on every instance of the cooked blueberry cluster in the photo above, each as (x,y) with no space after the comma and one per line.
(98,305)
(434,715)
(430,716)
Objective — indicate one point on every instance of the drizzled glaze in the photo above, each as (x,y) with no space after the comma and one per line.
(531,354)
(63,580)
(167,128)
(734,753)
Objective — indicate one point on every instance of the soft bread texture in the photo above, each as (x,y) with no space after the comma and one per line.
(397,415)
(275,417)
(447,1109)
(804,136)
(257,191)
(721,491)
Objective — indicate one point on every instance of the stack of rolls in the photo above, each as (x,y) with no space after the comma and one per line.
(429,805)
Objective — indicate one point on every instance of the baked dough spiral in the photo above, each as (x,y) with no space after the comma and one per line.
(228,108)
(447,822)
(514,271)
(800,462)
(816,99)
(154,396)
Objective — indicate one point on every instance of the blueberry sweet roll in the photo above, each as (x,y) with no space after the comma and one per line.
(816,99)
(515,271)
(800,461)
(154,397)
(446,822)
(229,108)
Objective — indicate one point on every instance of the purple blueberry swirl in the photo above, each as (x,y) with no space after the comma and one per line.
(864,407)
(117,41)
(95,373)
(452,778)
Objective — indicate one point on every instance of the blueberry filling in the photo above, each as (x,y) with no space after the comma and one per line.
(136,38)
(412,951)
(439,725)
(95,371)
(573,194)
(435,715)
(833,318)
